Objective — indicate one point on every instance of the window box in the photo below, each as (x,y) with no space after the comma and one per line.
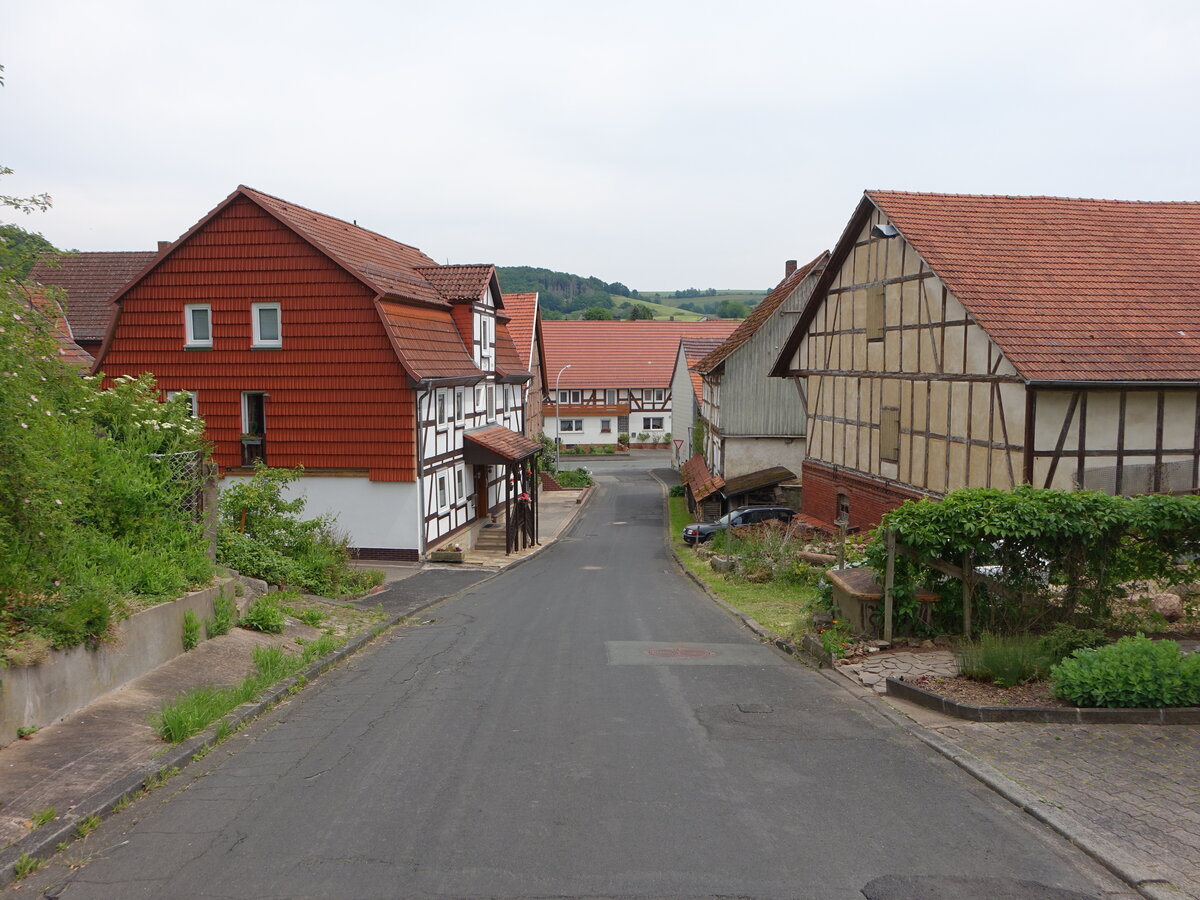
(447,556)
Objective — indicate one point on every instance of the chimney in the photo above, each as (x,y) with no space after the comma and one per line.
(164,245)
(789,268)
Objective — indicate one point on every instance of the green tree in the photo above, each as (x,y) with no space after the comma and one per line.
(641,311)
(731,309)
(597,314)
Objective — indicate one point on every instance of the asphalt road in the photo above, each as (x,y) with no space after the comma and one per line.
(587,724)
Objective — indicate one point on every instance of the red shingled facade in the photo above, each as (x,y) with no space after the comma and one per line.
(339,398)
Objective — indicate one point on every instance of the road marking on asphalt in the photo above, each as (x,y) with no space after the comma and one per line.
(592,568)
(682,653)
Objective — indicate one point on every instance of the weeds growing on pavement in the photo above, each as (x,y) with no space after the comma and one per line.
(86,826)
(224,615)
(195,710)
(159,778)
(26,865)
(191,631)
(38,819)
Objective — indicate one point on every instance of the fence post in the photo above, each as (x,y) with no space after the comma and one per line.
(968,566)
(208,503)
(889,579)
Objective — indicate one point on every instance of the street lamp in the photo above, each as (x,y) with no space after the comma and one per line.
(558,420)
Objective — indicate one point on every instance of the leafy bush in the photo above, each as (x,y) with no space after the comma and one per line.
(676,490)
(92,489)
(264,615)
(1005,660)
(1064,639)
(262,535)
(1052,556)
(1133,672)
(191,631)
(573,479)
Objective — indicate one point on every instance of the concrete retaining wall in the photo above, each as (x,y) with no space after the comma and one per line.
(36,696)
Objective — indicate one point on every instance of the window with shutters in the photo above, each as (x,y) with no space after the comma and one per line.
(889,434)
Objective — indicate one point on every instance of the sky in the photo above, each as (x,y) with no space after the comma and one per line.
(657,143)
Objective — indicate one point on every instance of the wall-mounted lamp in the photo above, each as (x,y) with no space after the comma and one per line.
(886,230)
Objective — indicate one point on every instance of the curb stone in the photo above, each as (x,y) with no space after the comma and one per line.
(1096,846)
(43,843)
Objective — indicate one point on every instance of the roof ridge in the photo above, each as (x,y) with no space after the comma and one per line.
(248,189)
(944,195)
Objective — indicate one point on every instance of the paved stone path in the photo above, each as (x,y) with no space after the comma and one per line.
(873,670)
(1138,784)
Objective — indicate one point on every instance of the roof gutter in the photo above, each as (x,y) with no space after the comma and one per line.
(1112,385)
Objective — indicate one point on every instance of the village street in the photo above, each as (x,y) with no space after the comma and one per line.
(585,724)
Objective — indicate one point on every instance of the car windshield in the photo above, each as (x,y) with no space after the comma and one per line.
(724,520)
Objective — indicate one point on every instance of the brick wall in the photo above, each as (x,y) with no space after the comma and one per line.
(869,499)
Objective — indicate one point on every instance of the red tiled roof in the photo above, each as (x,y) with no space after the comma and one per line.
(388,266)
(760,314)
(696,476)
(619,354)
(459,283)
(91,280)
(694,350)
(68,351)
(427,342)
(505,442)
(522,312)
(508,360)
(1069,289)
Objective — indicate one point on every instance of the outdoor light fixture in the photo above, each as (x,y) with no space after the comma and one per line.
(885,230)
(558,420)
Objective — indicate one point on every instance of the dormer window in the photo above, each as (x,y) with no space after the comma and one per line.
(197,325)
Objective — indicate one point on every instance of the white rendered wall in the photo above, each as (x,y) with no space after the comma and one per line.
(746,455)
(377,514)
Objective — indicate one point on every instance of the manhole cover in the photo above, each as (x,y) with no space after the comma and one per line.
(680,652)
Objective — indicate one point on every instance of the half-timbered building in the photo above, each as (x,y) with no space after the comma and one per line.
(686,390)
(606,379)
(752,422)
(525,326)
(307,341)
(974,341)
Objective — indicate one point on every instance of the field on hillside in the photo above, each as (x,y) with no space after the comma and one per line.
(708,303)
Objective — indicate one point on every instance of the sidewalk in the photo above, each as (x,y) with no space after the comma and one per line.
(1127,794)
(84,764)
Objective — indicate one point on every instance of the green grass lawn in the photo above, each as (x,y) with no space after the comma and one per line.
(781,608)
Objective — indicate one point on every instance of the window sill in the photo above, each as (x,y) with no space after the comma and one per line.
(197,346)
(266,346)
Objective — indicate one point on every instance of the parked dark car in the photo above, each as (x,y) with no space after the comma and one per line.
(699,532)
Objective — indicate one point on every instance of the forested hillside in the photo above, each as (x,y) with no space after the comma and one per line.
(563,295)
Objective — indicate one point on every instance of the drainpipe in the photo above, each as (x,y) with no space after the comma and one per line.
(419,430)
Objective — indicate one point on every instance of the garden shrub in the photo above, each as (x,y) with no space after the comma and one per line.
(265,615)
(1133,672)
(676,490)
(1004,660)
(573,479)
(1063,640)
(262,535)
(1056,556)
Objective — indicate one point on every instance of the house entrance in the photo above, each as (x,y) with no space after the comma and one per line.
(481,491)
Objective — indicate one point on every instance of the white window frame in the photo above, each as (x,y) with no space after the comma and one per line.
(190,339)
(606,426)
(256,309)
(460,490)
(443,492)
(660,395)
(193,401)
(459,404)
(491,403)
(564,396)
(647,420)
(610,396)
(439,409)
(574,426)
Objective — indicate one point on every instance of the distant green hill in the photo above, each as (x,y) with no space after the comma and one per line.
(563,295)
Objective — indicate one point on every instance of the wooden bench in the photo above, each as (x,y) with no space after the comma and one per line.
(859,596)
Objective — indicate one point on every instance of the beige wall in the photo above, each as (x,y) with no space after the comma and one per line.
(954,432)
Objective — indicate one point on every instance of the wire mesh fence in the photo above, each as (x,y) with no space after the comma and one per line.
(188,472)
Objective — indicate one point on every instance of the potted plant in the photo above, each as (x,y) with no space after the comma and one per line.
(451,553)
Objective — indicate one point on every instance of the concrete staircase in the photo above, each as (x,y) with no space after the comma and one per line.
(491,539)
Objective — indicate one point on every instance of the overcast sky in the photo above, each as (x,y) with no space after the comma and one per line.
(662,144)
